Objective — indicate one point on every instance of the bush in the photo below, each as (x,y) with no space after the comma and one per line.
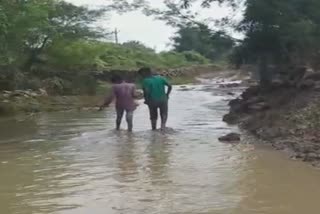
(9,77)
(173,59)
(84,83)
(56,86)
(79,54)
(85,55)
(195,57)
(17,80)
(70,68)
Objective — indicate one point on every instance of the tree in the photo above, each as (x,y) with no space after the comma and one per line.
(33,25)
(281,33)
(278,33)
(212,44)
(137,46)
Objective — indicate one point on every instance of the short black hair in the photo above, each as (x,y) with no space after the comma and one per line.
(145,71)
(115,78)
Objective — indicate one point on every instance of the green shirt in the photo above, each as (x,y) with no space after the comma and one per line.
(154,88)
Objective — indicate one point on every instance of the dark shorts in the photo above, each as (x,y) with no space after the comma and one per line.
(162,106)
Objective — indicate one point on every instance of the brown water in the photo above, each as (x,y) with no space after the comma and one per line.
(74,163)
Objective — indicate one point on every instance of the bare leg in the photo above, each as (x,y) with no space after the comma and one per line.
(164,114)
(119,118)
(153,116)
(129,118)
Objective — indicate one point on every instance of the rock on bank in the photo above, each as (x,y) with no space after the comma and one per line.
(285,114)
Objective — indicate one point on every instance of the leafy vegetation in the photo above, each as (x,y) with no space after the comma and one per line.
(280,34)
(30,27)
(86,55)
(215,45)
(55,45)
(50,42)
(132,55)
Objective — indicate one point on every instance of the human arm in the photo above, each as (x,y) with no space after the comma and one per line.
(169,87)
(145,95)
(108,100)
(146,91)
(134,92)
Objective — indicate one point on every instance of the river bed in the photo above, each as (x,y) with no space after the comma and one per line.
(75,163)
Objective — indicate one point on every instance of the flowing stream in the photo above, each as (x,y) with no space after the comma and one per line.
(75,163)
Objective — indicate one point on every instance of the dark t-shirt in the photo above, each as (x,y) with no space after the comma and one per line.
(155,88)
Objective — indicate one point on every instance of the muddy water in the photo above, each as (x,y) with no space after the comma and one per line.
(74,163)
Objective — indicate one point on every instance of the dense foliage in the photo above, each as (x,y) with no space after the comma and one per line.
(199,38)
(288,30)
(29,27)
(280,34)
(55,44)
(95,55)
(284,34)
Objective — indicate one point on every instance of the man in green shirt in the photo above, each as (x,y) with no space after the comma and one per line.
(156,96)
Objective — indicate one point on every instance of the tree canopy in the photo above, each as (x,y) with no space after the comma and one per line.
(214,45)
(280,33)
(56,45)
(288,30)
(29,27)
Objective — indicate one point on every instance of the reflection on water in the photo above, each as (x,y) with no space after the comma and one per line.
(75,163)
(158,158)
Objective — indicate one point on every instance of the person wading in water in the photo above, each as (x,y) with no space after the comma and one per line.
(156,96)
(124,93)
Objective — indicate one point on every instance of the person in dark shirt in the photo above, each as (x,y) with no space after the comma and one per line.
(156,96)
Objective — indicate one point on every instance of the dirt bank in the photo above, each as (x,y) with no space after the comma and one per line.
(285,114)
(23,103)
